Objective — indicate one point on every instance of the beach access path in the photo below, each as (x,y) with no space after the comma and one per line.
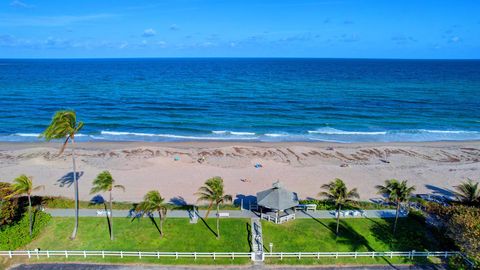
(320,214)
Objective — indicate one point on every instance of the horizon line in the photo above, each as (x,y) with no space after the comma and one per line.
(236,57)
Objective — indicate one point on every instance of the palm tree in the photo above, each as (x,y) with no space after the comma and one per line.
(468,192)
(64,125)
(336,191)
(213,192)
(105,183)
(397,192)
(23,185)
(153,201)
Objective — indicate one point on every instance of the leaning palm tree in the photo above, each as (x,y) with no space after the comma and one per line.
(153,201)
(64,125)
(213,193)
(468,192)
(23,185)
(396,192)
(105,183)
(336,191)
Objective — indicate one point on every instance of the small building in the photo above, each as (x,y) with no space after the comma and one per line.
(277,204)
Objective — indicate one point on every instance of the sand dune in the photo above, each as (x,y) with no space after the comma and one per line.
(178,169)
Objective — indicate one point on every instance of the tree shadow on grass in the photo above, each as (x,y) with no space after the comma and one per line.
(208,226)
(249,236)
(319,221)
(152,219)
(353,239)
(99,200)
(409,235)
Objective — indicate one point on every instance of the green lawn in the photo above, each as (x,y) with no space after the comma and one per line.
(307,235)
(142,235)
(312,235)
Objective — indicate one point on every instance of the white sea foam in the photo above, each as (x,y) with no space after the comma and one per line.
(27,134)
(333,131)
(237,133)
(172,136)
(276,135)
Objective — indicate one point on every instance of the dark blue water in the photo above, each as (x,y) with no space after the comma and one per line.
(245,99)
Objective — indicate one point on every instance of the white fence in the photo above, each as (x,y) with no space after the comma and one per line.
(122,254)
(373,254)
(230,255)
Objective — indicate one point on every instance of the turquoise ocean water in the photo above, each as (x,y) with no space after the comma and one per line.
(342,100)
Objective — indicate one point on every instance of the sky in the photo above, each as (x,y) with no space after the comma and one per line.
(240,28)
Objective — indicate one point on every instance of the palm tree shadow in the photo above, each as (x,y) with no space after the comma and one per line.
(249,236)
(152,219)
(67,179)
(354,239)
(208,226)
(99,200)
(318,220)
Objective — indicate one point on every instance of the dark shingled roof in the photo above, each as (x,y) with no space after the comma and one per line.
(277,198)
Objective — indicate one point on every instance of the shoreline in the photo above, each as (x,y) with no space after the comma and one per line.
(178,169)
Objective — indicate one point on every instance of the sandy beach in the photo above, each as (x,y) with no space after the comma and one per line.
(177,170)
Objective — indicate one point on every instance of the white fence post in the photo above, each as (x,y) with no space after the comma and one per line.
(176,255)
(121,254)
(84,254)
(48,254)
(195,255)
(28,253)
(66,254)
(214,256)
(158,255)
(140,254)
(103,254)
(10,254)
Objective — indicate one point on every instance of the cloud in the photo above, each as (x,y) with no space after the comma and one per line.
(61,20)
(174,27)
(149,32)
(348,22)
(20,4)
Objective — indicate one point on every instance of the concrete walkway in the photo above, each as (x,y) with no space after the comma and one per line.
(319,214)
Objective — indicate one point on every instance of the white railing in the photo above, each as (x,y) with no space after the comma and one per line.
(122,254)
(373,254)
(277,220)
(230,255)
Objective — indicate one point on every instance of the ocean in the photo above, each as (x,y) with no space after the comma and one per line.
(258,99)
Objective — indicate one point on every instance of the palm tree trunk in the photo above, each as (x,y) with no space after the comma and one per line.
(161,222)
(209,209)
(111,217)
(396,218)
(218,221)
(30,213)
(338,218)
(75,186)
